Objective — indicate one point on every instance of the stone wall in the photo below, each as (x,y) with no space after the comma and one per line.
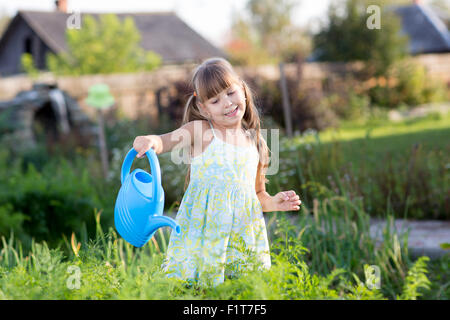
(135,93)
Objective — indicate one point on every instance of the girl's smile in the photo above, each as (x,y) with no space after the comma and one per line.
(233,112)
(229,105)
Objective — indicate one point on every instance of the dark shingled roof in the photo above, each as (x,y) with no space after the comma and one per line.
(162,32)
(426,31)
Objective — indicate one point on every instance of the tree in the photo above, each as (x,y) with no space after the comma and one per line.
(244,48)
(102,47)
(270,18)
(266,34)
(27,63)
(347,37)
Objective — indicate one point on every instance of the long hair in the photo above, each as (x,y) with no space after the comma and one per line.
(210,78)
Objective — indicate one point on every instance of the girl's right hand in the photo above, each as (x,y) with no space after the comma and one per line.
(144,143)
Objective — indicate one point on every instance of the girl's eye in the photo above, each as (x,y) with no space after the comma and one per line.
(214,102)
(231,93)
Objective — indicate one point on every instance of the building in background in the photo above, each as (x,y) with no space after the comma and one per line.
(426,28)
(41,32)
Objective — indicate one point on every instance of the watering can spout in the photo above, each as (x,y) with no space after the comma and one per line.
(156,221)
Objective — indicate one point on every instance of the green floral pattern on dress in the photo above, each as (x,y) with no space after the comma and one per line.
(219,213)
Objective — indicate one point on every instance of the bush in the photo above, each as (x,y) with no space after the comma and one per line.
(407,84)
(307,109)
(45,205)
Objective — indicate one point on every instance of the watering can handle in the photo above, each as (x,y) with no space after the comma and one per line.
(154,166)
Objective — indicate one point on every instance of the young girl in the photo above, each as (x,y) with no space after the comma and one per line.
(222,208)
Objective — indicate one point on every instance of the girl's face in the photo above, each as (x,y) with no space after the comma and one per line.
(228,107)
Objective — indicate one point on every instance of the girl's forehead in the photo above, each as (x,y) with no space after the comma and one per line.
(212,82)
(232,85)
(217,96)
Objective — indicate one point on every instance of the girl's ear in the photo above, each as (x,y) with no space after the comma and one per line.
(202,109)
(200,106)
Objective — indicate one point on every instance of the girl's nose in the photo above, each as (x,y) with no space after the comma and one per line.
(228,101)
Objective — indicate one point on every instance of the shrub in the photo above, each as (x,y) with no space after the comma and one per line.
(307,109)
(408,84)
(47,204)
(416,280)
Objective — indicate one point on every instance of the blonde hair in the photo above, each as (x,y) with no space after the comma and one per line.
(210,78)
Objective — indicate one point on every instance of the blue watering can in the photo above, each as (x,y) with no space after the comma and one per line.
(140,202)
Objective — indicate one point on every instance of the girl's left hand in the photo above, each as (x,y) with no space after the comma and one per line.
(286,201)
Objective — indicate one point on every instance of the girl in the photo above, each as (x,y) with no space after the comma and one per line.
(221,212)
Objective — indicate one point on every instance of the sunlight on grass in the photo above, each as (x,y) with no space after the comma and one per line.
(351,131)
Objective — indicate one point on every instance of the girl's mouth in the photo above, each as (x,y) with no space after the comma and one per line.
(232,113)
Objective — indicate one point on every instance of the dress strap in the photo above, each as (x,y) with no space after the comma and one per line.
(210,124)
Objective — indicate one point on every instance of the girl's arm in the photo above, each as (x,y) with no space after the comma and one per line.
(282,201)
(181,137)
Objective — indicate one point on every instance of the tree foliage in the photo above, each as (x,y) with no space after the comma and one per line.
(102,46)
(27,63)
(265,33)
(346,37)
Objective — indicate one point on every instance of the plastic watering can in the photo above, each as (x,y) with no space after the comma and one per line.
(140,202)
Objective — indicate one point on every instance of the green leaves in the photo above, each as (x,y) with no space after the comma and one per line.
(28,66)
(109,268)
(102,46)
(347,38)
(416,280)
(266,34)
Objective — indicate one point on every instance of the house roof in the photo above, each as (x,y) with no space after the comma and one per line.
(162,32)
(426,31)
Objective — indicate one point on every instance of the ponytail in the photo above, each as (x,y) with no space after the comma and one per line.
(210,78)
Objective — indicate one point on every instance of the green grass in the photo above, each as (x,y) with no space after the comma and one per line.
(319,253)
(431,133)
(109,268)
(439,276)
(405,163)
(383,128)
(357,139)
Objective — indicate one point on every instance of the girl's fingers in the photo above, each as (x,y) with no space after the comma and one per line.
(292,199)
(140,155)
(283,196)
(290,195)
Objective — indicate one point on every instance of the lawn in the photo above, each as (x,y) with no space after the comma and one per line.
(400,165)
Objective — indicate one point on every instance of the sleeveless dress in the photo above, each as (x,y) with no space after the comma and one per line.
(220,216)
